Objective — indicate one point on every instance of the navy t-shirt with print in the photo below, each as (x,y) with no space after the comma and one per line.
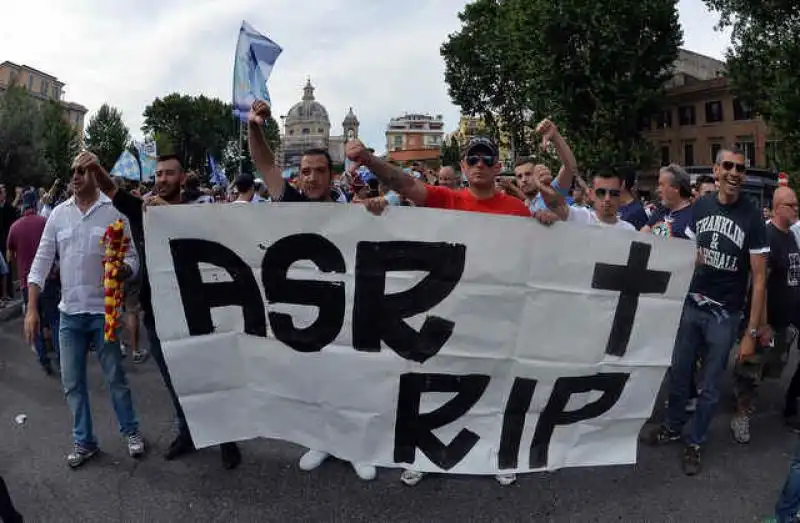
(671,224)
(634,214)
(783,282)
(726,236)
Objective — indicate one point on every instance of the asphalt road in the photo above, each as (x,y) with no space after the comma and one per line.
(739,483)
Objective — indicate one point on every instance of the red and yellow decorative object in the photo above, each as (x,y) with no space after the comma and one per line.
(117,245)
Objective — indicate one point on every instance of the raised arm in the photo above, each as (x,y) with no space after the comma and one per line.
(569,166)
(89,161)
(391,176)
(260,151)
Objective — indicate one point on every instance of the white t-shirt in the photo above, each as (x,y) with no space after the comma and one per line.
(585,216)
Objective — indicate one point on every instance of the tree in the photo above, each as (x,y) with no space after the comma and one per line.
(762,65)
(60,141)
(21,160)
(596,69)
(107,135)
(451,152)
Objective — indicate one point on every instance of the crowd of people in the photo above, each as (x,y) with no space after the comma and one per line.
(743,294)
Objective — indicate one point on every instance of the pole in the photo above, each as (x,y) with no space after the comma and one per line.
(241,145)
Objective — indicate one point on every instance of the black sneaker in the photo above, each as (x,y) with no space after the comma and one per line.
(231,455)
(691,460)
(48,368)
(660,435)
(180,446)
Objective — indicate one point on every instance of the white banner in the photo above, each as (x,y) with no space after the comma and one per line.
(437,340)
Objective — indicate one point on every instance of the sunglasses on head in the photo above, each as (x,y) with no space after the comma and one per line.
(488,160)
(728,166)
(601,193)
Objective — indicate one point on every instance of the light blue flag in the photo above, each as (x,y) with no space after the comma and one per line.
(255,56)
(147,159)
(217,176)
(126,167)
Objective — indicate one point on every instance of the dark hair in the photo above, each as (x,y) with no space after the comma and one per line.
(733,150)
(525,160)
(321,152)
(168,157)
(704,179)
(607,174)
(244,182)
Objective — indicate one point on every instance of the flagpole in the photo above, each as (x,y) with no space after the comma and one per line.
(241,145)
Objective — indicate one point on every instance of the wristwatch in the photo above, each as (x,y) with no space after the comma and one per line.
(753,333)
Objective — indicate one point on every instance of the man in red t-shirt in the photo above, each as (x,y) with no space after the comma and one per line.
(480,163)
(21,245)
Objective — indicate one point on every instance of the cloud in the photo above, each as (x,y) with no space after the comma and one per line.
(381,58)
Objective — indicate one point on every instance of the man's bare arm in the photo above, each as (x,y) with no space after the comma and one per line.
(398,180)
(260,151)
(758,264)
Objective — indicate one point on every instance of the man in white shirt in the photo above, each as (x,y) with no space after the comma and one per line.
(75,232)
(605,195)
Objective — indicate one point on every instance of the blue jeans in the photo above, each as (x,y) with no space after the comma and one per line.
(709,334)
(788,504)
(49,316)
(77,332)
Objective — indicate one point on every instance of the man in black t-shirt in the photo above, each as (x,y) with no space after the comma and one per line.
(170,178)
(731,244)
(314,186)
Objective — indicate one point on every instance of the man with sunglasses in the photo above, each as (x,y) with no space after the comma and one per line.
(481,166)
(74,232)
(731,244)
(605,195)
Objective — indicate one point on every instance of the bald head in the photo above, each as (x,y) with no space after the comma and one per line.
(449,178)
(784,207)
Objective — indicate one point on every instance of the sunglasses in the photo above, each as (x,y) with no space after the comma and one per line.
(488,160)
(601,193)
(728,166)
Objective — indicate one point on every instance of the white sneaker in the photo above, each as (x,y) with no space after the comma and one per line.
(411,477)
(364,471)
(506,479)
(312,459)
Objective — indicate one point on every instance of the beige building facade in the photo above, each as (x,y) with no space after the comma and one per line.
(41,86)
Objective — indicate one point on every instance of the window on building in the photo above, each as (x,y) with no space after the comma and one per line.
(686,115)
(30,82)
(56,93)
(714,112)
(645,123)
(665,155)
(715,149)
(772,154)
(398,141)
(291,133)
(741,110)
(688,154)
(44,87)
(306,130)
(320,130)
(664,120)
(748,147)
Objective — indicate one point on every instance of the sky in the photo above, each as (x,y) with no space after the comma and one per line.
(379,57)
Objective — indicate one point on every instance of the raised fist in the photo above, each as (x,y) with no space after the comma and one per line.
(259,112)
(356,152)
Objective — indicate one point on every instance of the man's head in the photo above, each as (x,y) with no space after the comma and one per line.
(729,170)
(606,191)
(526,172)
(480,163)
(579,196)
(170,177)
(316,167)
(784,207)
(449,178)
(245,186)
(82,182)
(674,186)
(29,202)
(628,177)
(705,185)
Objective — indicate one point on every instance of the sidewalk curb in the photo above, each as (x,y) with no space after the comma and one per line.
(11,311)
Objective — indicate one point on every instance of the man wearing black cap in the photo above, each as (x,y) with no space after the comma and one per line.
(479,162)
(481,165)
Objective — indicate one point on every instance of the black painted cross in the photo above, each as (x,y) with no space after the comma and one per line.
(631,281)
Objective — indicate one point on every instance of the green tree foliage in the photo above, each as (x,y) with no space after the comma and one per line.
(451,152)
(21,158)
(594,68)
(60,141)
(762,64)
(196,125)
(107,135)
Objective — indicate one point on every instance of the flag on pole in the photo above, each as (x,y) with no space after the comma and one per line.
(126,167)
(255,56)
(217,174)
(147,159)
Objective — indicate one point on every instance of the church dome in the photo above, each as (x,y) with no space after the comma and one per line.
(350,120)
(307,110)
